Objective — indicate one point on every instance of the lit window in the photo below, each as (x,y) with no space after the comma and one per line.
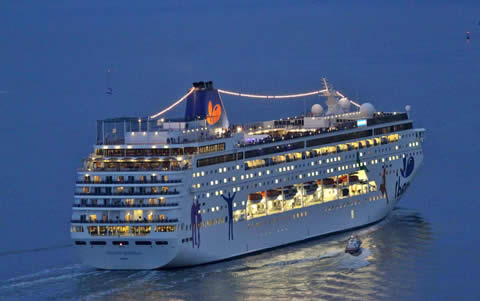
(241,177)
(238,166)
(211,183)
(268,172)
(313,163)
(203,173)
(225,180)
(233,179)
(220,170)
(208,194)
(216,181)
(259,173)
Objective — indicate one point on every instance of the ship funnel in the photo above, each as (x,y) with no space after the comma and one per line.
(205,103)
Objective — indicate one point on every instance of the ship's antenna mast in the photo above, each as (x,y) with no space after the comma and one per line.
(326,86)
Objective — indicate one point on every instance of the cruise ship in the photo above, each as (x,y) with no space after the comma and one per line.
(163,193)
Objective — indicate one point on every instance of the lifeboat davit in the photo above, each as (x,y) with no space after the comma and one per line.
(273,194)
(255,197)
(310,187)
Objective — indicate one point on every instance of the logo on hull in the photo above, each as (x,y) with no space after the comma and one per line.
(383,186)
(229,200)
(408,166)
(196,219)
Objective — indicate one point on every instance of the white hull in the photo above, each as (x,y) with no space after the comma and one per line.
(249,236)
(161,193)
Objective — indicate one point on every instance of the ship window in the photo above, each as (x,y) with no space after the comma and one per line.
(143,243)
(161,242)
(80,243)
(120,243)
(97,243)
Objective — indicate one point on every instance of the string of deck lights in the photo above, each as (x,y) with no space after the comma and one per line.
(253,96)
(174,104)
(272,96)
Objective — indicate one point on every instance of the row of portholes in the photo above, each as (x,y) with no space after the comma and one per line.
(204,224)
(344,205)
(279,219)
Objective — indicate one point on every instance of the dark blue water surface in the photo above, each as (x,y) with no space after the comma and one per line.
(53,62)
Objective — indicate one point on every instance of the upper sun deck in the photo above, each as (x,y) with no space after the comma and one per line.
(144,132)
(206,123)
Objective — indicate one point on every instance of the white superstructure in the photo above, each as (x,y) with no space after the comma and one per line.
(163,193)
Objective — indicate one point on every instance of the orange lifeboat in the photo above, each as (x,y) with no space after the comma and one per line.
(342,179)
(352,178)
(254,197)
(273,194)
(289,192)
(310,187)
(328,181)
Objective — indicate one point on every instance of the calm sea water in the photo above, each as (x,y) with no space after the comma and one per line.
(317,269)
(53,62)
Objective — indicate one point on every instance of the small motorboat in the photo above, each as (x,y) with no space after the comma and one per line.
(353,246)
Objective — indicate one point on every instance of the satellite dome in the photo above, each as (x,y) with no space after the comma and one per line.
(317,110)
(344,104)
(408,108)
(367,110)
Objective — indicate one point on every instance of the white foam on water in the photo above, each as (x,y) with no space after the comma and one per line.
(43,280)
(44,272)
(348,261)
